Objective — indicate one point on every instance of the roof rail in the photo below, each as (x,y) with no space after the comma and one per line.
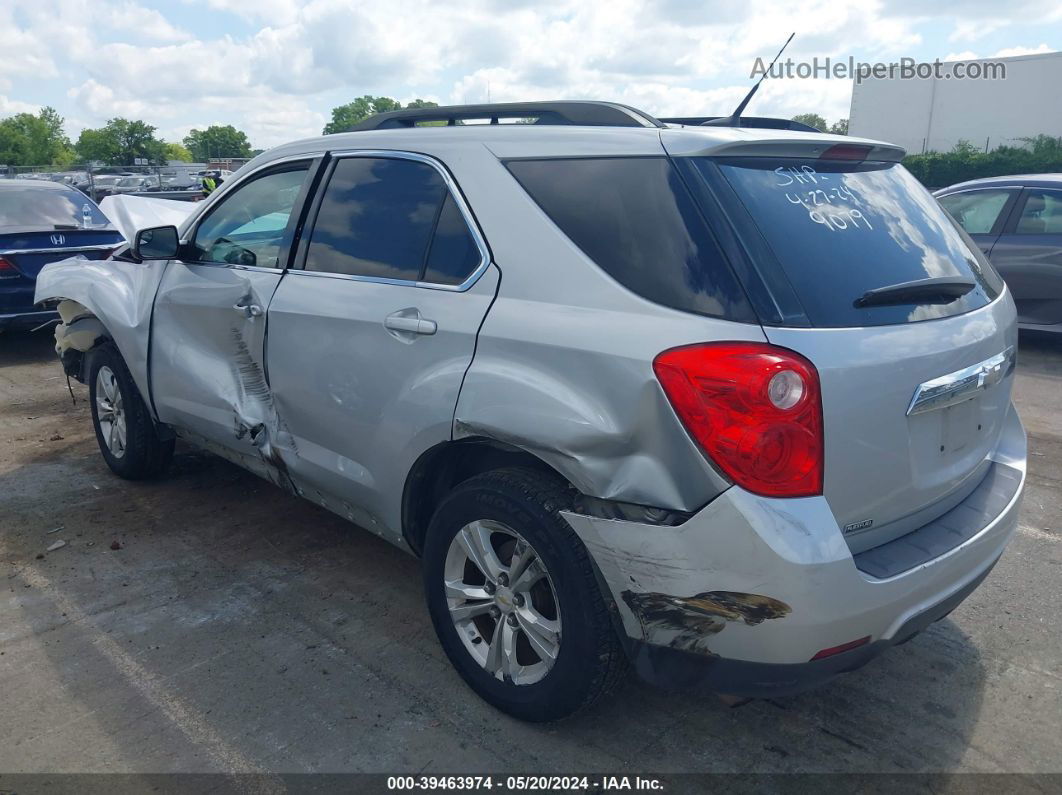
(763,122)
(592,114)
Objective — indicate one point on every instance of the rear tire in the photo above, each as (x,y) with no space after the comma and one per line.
(127,436)
(559,650)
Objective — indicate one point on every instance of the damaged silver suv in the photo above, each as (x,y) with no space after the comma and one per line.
(731,404)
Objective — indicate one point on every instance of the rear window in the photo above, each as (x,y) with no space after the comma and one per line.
(45,208)
(838,229)
(637,221)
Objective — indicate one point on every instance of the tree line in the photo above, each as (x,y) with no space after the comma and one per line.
(38,139)
(1041,154)
(28,139)
(839,127)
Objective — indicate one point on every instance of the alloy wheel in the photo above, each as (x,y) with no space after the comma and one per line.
(110,411)
(502,602)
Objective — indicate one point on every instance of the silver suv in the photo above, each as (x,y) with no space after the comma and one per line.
(730,404)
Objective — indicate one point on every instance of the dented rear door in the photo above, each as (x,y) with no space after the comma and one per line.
(208,378)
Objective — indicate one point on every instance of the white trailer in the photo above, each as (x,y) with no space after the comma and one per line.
(933,114)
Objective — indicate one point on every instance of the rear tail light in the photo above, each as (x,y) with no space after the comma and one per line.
(8,270)
(754,409)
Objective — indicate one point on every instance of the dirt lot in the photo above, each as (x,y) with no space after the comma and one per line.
(236,628)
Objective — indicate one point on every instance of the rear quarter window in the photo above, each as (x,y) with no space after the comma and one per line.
(634,217)
(838,229)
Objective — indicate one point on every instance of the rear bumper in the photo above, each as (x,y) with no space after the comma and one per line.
(28,319)
(672,668)
(17,309)
(745,593)
(1047,328)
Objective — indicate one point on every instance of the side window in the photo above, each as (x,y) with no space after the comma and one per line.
(1042,213)
(390,218)
(976,210)
(248,226)
(453,254)
(634,217)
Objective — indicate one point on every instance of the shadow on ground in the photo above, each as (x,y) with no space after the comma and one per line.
(210,621)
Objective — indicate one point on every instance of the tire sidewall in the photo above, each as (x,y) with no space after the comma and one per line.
(566,685)
(130,463)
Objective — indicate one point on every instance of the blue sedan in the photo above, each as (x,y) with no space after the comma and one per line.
(42,222)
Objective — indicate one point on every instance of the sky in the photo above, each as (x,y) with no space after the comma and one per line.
(276,68)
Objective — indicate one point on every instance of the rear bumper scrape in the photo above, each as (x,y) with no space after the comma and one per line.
(691,621)
(772,582)
(676,668)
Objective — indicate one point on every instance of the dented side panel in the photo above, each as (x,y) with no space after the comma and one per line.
(563,364)
(575,387)
(119,294)
(207,363)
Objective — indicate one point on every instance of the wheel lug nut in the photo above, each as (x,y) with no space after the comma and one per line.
(495,612)
(518,599)
(489,588)
(511,619)
(503,578)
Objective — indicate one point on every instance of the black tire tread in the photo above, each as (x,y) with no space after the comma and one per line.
(147,456)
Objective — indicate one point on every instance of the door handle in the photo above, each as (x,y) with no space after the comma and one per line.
(410,323)
(248,310)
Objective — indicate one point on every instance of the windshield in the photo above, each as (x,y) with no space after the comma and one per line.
(46,208)
(839,229)
(130,182)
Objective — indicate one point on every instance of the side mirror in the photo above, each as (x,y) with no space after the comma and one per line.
(159,242)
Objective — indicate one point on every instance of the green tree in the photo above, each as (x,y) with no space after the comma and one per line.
(178,153)
(346,116)
(217,141)
(812,119)
(840,127)
(34,140)
(120,142)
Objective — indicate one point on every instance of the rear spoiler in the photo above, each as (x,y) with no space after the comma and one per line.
(691,142)
(760,122)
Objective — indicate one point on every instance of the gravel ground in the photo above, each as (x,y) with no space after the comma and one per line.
(212,623)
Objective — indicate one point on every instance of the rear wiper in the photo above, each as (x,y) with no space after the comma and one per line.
(936,290)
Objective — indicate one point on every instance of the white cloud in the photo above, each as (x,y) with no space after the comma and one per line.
(129,17)
(1010,52)
(275,67)
(9,107)
(974,29)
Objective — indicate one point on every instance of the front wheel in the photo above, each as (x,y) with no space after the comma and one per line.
(127,436)
(514,600)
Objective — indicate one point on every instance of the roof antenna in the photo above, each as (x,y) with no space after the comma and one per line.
(734,119)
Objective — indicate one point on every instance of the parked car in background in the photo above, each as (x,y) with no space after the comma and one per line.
(42,222)
(733,405)
(136,184)
(105,185)
(1017,222)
